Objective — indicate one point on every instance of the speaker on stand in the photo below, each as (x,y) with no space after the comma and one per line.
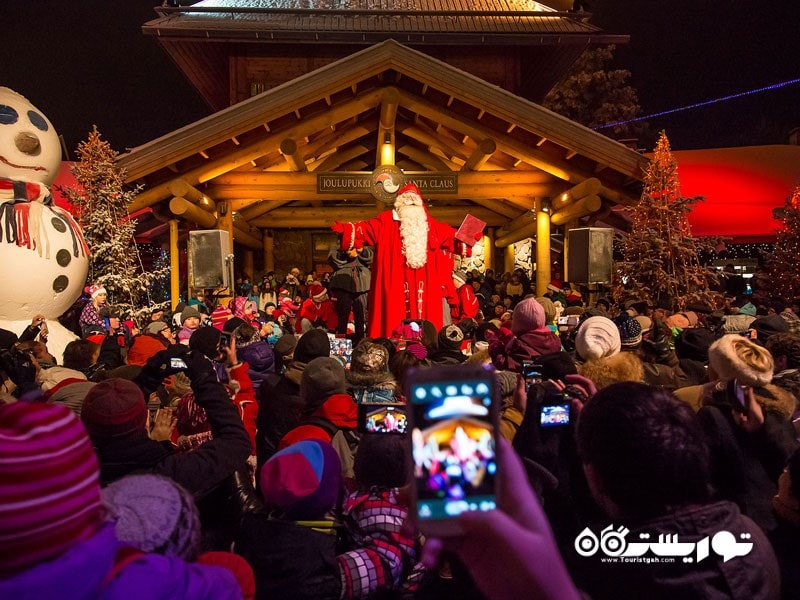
(210,259)
(591,251)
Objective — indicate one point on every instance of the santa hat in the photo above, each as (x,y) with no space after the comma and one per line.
(283,292)
(407,189)
(735,357)
(95,290)
(318,293)
(555,285)
(49,485)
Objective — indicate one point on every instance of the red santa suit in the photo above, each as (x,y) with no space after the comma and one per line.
(317,307)
(398,291)
(468,306)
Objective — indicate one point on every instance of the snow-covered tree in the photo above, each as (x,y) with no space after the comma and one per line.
(784,264)
(102,200)
(660,255)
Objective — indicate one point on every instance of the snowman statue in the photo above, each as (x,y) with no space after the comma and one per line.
(44,258)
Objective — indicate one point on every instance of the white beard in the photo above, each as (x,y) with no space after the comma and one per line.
(414,235)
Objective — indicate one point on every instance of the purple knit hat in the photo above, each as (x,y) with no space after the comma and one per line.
(49,484)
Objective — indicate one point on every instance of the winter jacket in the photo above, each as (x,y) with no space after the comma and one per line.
(290,561)
(752,576)
(279,409)
(350,274)
(261,360)
(509,352)
(81,572)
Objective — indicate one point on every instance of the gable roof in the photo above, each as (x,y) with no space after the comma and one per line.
(261,155)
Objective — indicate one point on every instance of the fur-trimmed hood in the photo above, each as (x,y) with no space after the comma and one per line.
(624,366)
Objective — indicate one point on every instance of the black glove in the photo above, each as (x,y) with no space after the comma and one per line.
(161,365)
(199,368)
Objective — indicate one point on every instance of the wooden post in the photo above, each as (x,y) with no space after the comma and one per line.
(247,265)
(508,259)
(542,249)
(225,221)
(174,264)
(269,251)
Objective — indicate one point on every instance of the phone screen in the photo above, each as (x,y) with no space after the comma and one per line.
(554,415)
(382,418)
(453,446)
(177,363)
(736,395)
(531,373)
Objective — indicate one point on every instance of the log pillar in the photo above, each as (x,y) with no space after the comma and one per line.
(247,265)
(542,249)
(174,264)
(269,251)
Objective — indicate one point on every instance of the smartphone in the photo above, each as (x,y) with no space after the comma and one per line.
(177,363)
(453,416)
(568,321)
(531,373)
(737,396)
(555,414)
(224,340)
(382,418)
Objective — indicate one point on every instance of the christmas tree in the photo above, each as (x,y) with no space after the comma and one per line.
(102,203)
(660,256)
(784,265)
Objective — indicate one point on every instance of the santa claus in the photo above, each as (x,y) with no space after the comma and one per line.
(412,265)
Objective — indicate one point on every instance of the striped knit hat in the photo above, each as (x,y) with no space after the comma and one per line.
(49,485)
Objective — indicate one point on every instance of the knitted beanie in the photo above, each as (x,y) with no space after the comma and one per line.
(49,485)
(219,316)
(303,479)
(460,275)
(287,344)
(231,324)
(735,357)
(312,344)
(769,325)
(528,315)
(189,312)
(597,337)
(154,514)
(630,331)
(322,378)
(237,565)
(693,343)
(114,408)
(417,349)
(206,341)
(549,309)
(450,337)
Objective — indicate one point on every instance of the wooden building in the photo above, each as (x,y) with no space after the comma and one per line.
(307,151)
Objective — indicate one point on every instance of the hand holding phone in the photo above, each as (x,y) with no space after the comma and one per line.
(454,413)
(531,373)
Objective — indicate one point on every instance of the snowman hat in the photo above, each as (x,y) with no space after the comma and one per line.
(95,290)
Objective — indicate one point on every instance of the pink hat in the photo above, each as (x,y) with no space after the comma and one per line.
(95,290)
(49,484)
(528,315)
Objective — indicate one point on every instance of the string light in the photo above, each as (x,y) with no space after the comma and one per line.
(767,88)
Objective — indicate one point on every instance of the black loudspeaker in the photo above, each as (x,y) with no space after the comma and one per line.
(590,255)
(210,259)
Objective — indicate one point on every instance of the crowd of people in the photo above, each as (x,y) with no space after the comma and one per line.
(214,451)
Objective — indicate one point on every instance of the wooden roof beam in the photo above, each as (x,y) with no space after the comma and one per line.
(309,217)
(425,135)
(256,208)
(342,156)
(180,188)
(480,155)
(587,187)
(309,180)
(292,154)
(180,207)
(426,159)
(252,151)
(580,208)
(384,153)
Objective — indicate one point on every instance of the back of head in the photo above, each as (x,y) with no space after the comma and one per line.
(154,514)
(322,378)
(528,315)
(735,357)
(597,337)
(49,485)
(693,343)
(786,345)
(450,337)
(303,480)
(80,354)
(114,409)
(206,341)
(381,461)
(312,344)
(646,448)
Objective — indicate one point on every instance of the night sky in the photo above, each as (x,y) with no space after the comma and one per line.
(87,62)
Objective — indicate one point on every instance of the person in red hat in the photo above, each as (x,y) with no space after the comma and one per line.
(316,310)
(411,273)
